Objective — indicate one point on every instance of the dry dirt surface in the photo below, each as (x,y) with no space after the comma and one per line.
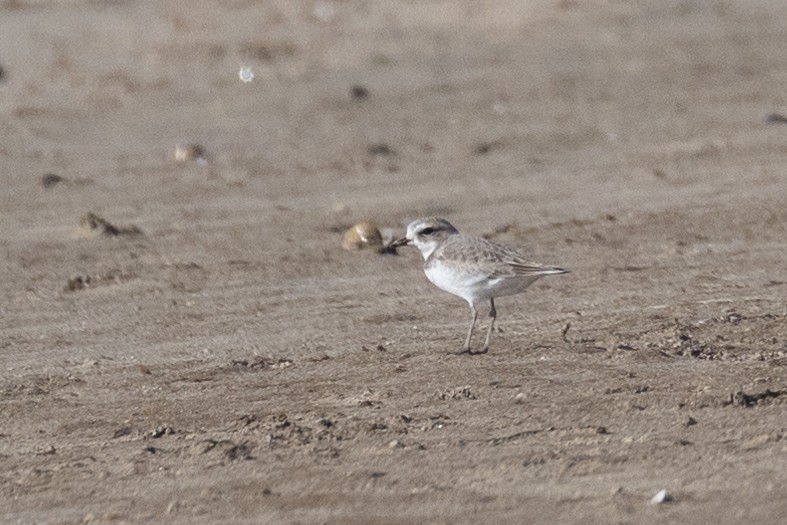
(183,340)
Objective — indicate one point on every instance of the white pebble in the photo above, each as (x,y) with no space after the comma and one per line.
(661,496)
(246,74)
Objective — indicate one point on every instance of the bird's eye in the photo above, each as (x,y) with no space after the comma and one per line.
(427,231)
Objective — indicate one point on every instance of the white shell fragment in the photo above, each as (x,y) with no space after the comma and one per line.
(661,496)
(246,74)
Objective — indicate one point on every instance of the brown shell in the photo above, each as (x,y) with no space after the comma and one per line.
(362,236)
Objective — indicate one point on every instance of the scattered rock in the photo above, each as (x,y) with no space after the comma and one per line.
(237,451)
(160,431)
(755,442)
(202,447)
(122,431)
(358,92)
(191,153)
(47,451)
(750,400)
(261,362)
(458,393)
(226,448)
(395,444)
(283,432)
(661,496)
(380,149)
(690,422)
(775,118)
(91,225)
(78,282)
(50,180)
(485,148)
(380,348)
(520,398)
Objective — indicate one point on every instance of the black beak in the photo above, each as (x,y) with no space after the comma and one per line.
(404,241)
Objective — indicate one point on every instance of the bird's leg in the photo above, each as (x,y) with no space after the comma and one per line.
(466,349)
(493,316)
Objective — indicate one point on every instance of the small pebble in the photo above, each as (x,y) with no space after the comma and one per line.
(358,92)
(191,152)
(380,149)
(49,180)
(661,496)
(775,118)
(519,399)
(48,451)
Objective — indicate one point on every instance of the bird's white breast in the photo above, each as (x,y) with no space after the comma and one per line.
(471,286)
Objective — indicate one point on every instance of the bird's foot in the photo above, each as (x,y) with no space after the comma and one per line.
(468,351)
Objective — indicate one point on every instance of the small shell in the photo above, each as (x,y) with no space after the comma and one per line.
(362,236)
(191,152)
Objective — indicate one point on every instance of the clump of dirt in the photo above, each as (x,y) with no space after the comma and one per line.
(83,281)
(91,225)
(745,400)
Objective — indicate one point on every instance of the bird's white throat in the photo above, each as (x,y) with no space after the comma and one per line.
(426,248)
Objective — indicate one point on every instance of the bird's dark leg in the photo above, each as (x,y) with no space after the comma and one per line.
(466,349)
(493,315)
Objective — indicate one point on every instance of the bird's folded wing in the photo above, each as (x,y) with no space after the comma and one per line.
(492,260)
(523,268)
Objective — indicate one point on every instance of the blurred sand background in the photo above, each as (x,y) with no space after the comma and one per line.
(222,360)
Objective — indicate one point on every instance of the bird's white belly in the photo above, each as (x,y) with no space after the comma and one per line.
(473,287)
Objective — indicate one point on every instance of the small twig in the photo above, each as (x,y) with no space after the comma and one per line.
(565,332)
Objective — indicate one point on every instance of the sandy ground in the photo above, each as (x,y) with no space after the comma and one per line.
(220,359)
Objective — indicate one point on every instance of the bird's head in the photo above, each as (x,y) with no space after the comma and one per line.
(426,235)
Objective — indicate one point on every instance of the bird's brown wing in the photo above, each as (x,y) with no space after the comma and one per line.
(490,259)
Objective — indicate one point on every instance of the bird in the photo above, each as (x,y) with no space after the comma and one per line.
(471,267)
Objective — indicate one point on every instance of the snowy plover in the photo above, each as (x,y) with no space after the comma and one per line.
(470,267)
